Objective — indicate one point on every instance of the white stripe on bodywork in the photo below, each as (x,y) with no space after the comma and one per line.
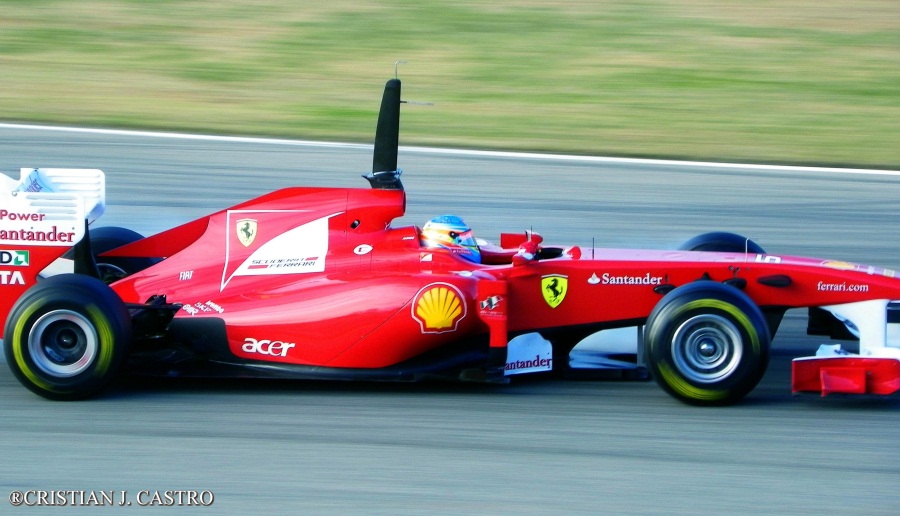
(301,250)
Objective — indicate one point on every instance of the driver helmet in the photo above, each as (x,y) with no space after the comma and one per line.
(450,232)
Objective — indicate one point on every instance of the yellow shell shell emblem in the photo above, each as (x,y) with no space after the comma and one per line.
(554,288)
(438,308)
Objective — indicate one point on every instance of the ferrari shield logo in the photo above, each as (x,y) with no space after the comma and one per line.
(554,288)
(246,231)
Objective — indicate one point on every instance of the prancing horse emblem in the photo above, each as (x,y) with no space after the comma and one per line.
(554,288)
(246,231)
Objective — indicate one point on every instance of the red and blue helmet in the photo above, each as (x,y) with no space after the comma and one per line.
(450,232)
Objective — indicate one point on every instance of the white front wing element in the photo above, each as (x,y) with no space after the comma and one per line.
(836,351)
(868,321)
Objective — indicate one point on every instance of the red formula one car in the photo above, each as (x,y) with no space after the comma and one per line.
(316,283)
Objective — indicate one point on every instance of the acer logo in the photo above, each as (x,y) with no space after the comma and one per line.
(274,348)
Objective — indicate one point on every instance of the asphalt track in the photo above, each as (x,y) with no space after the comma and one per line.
(607,447)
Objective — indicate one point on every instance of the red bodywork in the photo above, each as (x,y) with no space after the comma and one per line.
(363,300)
(316,282)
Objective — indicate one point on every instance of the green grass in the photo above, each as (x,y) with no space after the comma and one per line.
(794,81)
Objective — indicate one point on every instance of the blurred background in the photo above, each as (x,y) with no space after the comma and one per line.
(791,82)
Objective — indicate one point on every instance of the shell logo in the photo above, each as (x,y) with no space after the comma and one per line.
(840,265)
(438,308)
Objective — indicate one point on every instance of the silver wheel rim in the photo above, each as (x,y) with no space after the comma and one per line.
(707,348)
(62,343)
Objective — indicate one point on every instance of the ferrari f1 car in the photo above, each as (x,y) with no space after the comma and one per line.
(317,283)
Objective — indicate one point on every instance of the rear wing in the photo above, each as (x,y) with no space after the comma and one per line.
(42,215)
(86,183)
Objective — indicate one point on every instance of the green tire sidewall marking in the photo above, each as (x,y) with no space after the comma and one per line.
(676,381)
(105,339)
(17,348)
(680,385)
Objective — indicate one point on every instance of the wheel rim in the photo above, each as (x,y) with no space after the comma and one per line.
(63,343)
(707,348)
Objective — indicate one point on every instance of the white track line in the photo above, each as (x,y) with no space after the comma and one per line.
(458,152)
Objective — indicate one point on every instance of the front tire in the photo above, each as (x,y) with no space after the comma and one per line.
(67,337)
(707,343)
(722,242)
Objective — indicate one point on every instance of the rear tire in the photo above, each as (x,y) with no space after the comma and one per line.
(707,344)
(67,337)
(114,268)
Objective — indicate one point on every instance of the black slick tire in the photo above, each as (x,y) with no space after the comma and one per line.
(707,343)
(67,337)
